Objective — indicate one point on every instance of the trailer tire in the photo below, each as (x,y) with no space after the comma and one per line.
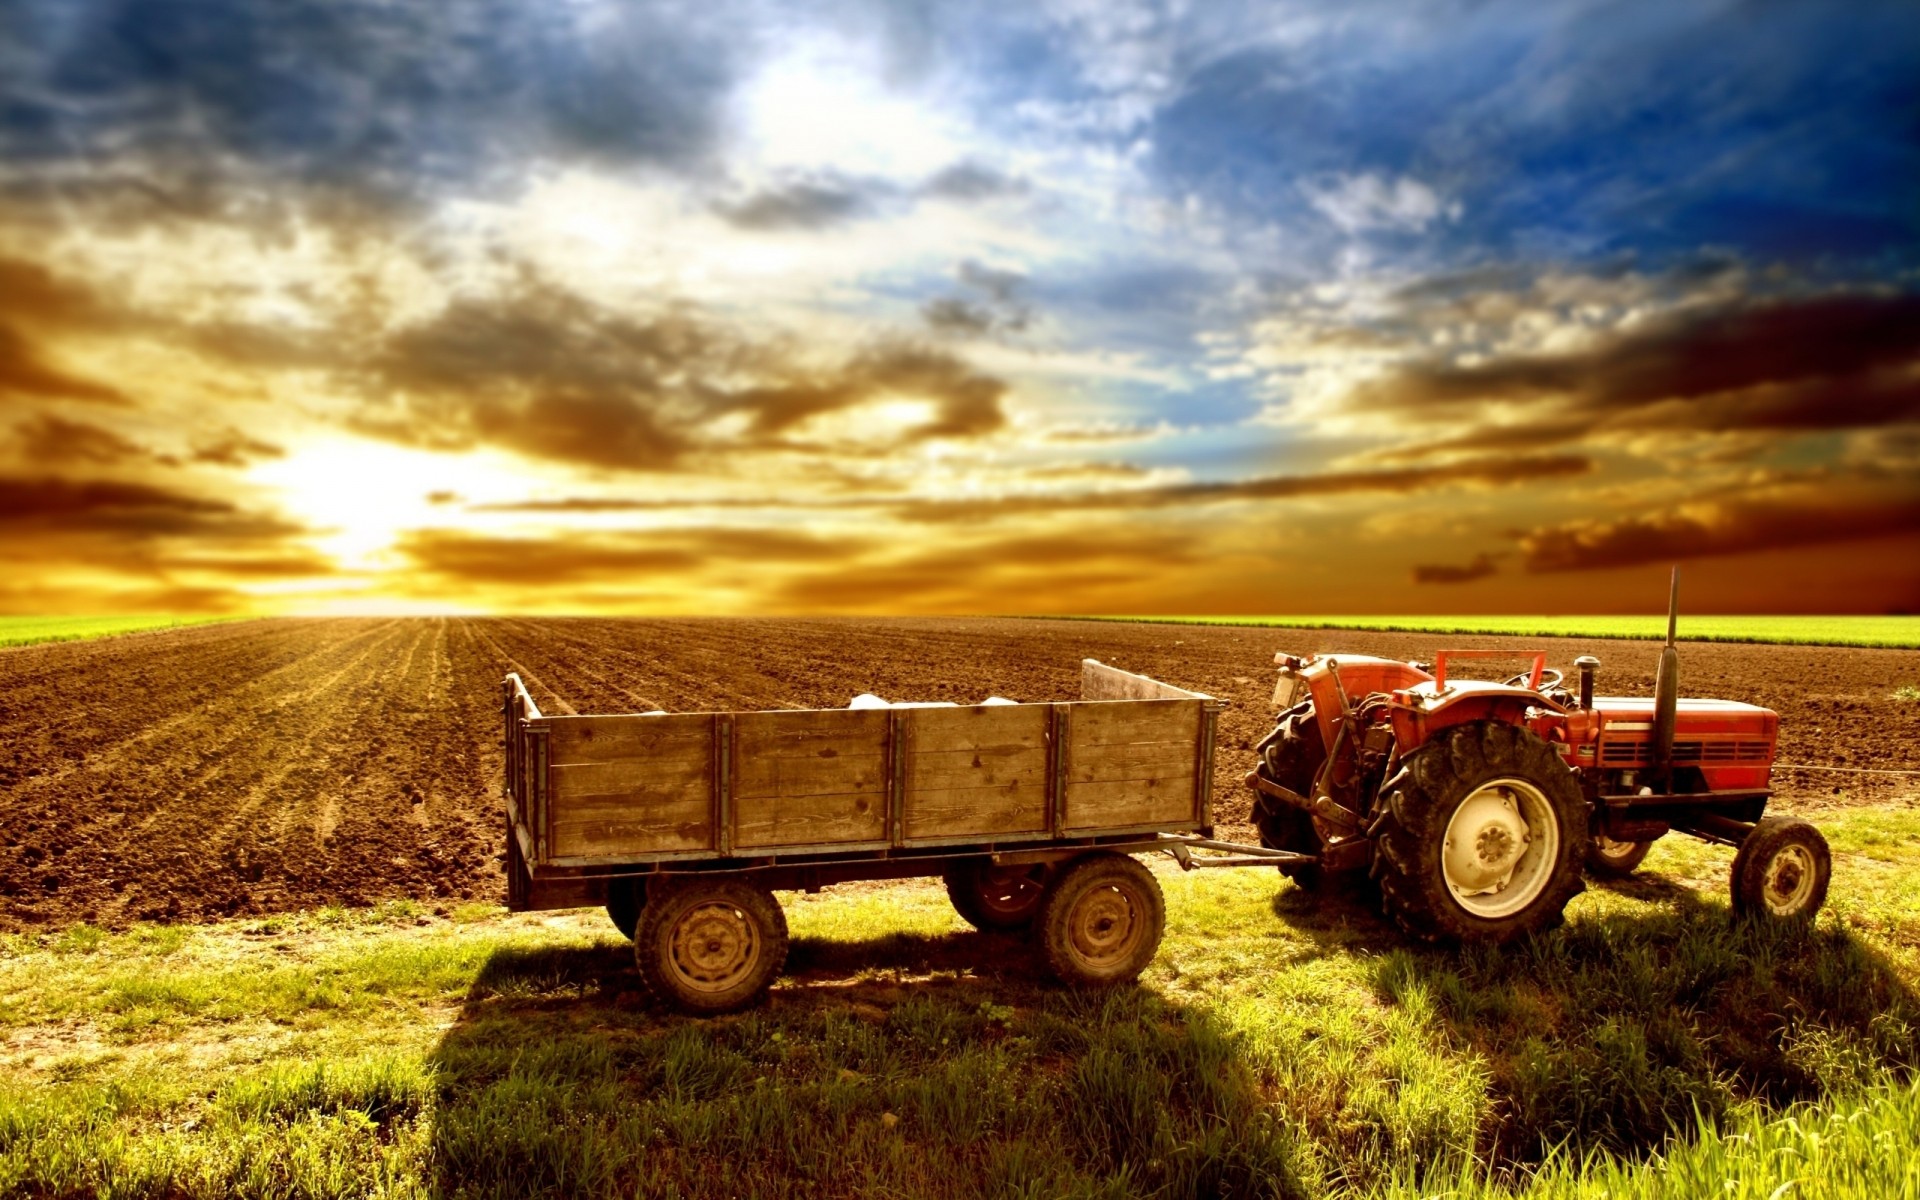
(1102,921)
(1608,859)
(708,946)
(996,899)
(1478,798)
(1781,871)
(1292,759)
(625,899)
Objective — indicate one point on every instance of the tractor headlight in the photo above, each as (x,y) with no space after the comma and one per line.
(1289,690)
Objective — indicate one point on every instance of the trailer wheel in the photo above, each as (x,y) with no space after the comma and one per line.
(996,898)
(1781,871)
(710,946)
(1482,837)
(625,899)
(1101,921)
(1291,759)
(1615,860)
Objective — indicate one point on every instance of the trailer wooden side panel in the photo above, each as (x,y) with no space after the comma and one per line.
(625,785)
(1133,763)
(974,771)
(811,778)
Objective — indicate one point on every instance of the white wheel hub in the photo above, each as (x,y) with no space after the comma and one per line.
(1789,880)
(1500,848)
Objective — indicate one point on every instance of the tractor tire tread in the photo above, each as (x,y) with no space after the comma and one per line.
(1437,778)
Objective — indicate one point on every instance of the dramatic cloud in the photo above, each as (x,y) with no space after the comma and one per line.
(1482,566)
(610,557)
(725,307)
(1789,518)
(1819,363)
(802,205)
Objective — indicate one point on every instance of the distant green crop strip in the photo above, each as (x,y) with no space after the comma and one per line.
(27,631)
(1888,632)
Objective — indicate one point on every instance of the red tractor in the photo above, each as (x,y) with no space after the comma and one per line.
(1475,806)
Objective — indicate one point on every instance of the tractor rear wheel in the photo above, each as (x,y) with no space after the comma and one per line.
(1615,860)
(1781,871)
(1102,921)
(1482,837)
(1292,759)
(710,946)
(994,898)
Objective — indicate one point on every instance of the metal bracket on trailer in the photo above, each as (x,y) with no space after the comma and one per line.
(1180,846)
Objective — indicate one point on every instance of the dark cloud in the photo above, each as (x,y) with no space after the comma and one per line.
(235,449)
(1482,566)
(799,205)
(1777,520)
(1818,363)
(213,106)
(549,374)
(970,181)
(950,314)
(24,372)
(52,439)
(610,557)
(1000,306)
(52,503)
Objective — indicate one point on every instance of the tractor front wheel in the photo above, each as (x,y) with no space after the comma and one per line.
(1482,837)
(1781,871)
(1615,860)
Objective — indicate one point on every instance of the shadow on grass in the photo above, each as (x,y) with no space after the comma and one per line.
(900,1065)
(1622,1030)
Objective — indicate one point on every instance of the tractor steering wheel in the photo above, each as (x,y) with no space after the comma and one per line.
(1549,678)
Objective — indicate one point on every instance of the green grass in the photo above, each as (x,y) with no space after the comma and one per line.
(1900,632)
(1278,1046)
(27,631)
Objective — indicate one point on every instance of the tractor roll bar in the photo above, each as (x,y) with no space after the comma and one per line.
(1539,658)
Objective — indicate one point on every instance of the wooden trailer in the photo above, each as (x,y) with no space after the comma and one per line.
(682,824)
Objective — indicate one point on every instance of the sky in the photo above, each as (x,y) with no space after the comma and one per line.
(1075,306)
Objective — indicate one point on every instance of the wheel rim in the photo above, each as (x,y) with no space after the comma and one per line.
(1106,926)
(1789,880)
(1611,849)
(714,946)
(1008,893)
(1500,848)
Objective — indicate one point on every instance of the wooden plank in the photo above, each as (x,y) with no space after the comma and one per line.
(1110,723)
(976,770)
(1129,802)
(1017,807)
(817,820)
(635,777)
(1179,765)
(1098,681)
(619,827)
(601,739)
(810,778)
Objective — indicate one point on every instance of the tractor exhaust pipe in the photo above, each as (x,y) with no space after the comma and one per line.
(1666,694)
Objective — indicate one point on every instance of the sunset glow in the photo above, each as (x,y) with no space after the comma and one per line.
(1059,308)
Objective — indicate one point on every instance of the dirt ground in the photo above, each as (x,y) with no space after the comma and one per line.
(279,764)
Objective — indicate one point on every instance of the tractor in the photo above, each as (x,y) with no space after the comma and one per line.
(1476,808)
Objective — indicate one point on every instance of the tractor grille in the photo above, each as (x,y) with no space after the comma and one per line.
(1630,753)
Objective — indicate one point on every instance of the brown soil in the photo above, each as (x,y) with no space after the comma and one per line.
(271,765)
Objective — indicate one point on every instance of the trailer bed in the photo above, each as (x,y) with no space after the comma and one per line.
(591,798)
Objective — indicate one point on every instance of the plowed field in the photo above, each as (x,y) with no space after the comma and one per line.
(270,765)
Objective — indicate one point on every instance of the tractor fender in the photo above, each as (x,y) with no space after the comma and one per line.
(1424,715)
